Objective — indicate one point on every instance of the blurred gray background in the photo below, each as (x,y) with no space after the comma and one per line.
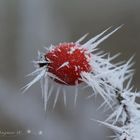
(26,26)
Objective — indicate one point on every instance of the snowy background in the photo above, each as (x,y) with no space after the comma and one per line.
(27,26)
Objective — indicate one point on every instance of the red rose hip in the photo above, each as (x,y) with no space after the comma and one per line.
(67,61)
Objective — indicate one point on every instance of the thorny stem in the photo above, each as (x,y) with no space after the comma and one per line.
(120,100)
(128,118)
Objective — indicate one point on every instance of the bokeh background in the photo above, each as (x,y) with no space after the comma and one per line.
(26,26)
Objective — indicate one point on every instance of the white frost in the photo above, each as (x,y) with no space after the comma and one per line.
(63,65)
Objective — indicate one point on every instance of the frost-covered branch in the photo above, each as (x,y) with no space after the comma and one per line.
(69,64)
(114,86)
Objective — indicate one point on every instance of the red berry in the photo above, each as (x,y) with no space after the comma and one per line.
(68,60)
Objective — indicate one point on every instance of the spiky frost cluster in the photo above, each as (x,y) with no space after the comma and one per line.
(111,81)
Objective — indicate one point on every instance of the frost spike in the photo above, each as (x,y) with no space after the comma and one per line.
(55,77)
(64,97)
(63,65)
(42,89)
(81,39)
(102,105)
(116,114)
(113,127)
(34,72)
(37,78)
(95,44)
(56,97)
(50,92)
(76,94)
(45,91)
(95,38)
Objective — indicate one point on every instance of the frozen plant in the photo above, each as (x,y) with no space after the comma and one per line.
(74,63)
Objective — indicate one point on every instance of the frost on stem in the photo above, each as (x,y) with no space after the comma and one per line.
(70,64)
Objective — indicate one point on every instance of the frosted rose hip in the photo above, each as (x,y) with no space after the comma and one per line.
(72,63)
(68,60)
